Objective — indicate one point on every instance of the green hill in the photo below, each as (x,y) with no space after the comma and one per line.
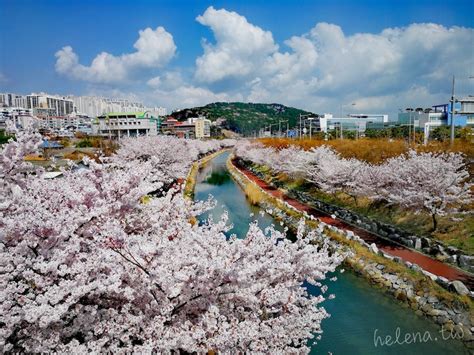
(245,118)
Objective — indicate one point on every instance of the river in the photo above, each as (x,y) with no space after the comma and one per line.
(360,314)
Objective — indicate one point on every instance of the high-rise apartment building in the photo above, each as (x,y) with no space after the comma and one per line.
(94,106)
(46,105)
(52,105)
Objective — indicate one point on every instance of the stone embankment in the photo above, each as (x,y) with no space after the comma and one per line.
(399,278)
(426,245)
(390,239)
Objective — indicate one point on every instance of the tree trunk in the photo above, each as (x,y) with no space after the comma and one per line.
(435,222)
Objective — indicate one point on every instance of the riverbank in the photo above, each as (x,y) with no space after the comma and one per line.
(446,236)
(409,286)
(385,237)
(190,182)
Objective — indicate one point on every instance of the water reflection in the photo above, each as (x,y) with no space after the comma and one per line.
(218,177)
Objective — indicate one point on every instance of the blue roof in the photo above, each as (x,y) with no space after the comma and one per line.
(48,144)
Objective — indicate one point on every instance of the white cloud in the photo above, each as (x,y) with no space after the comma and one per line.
(154,82)
(325,68)
(154,49)
(169,80)
(319,70)
(189,96)
(240,47)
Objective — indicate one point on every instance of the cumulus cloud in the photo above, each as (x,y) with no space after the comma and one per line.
(239,50)
(188,95)
(324,67)
(154,49)
(169,80)
(318,70)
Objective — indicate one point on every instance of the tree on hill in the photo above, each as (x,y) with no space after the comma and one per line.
(246,118)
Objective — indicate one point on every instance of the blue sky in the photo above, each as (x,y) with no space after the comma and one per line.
(249,36)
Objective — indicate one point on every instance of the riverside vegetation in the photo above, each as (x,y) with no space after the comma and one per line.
(110,259)
(455,229)
(402,280)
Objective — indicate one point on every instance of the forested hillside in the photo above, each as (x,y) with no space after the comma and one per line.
(245,118)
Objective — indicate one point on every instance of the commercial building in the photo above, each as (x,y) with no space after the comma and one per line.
(352,122)
(439,115)
(185,130)
(126,124)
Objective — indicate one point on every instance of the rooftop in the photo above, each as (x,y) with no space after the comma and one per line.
(137,114)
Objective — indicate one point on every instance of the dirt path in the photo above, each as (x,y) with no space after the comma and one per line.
(429,264)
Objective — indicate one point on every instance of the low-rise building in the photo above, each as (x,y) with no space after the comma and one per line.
(467,109)
(439,115)
(126,124)
(203,128)
(20,117)
(194,127)
(352,122)
(185,129)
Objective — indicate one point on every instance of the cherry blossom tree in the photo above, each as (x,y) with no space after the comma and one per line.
(256,153)
(88,265)
(170,157)
(292,161)
(436,183)
(332,173)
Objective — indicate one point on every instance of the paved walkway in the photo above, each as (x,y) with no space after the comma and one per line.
(428,263)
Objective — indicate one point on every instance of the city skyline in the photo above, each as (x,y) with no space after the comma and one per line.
(182,54)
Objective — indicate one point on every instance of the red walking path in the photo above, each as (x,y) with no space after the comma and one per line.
(429,264)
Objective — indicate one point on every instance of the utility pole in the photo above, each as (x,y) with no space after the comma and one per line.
(409,130)
(452,112)
(414,130)
(300,127)
(279,128)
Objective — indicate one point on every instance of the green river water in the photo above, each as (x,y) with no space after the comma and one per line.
(360,314)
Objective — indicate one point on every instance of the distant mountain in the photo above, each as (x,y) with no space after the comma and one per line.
(245,118)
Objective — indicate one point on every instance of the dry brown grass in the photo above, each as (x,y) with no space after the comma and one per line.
(33,157)
(372,150)
(254,194)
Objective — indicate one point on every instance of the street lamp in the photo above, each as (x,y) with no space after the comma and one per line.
(270,127)
(310,119)
(279,127)
(342,106)
(452,112)
(301,116)
(410,110)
